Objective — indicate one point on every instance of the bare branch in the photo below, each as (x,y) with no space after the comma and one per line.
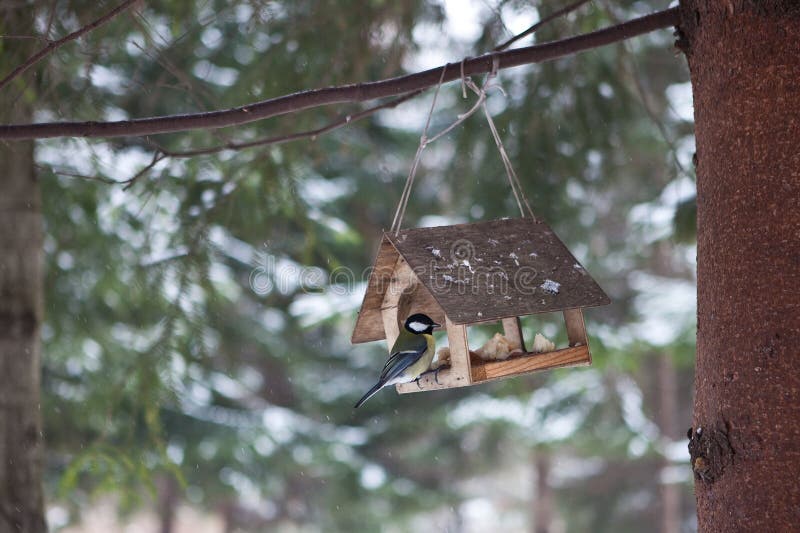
(70,174)
(632,70)
(52,46)
(162,153)
(51,17)
(548,18)
(157,156)
(25,37)
(347,93)
(310,134)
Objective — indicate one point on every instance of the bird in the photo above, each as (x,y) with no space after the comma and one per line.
(410,356)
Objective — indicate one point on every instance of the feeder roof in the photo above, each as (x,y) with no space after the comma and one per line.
(482,272)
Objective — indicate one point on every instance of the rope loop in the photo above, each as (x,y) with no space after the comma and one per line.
(481,93)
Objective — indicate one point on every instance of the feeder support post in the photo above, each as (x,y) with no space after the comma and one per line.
(576,328)
(460,367)
(512,329)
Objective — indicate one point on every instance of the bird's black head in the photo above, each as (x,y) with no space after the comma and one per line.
(420,323)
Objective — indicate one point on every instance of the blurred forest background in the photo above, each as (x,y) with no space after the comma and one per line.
(197,363)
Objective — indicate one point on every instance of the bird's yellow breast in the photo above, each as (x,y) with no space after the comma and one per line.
(424,362)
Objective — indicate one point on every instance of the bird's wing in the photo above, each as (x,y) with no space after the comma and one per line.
(400,360)
(407,342)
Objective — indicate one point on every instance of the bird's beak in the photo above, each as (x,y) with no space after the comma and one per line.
(435,325)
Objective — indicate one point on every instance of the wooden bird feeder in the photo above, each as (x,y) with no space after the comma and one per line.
(494,271)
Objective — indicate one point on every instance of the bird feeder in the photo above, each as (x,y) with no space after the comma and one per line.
(467,274)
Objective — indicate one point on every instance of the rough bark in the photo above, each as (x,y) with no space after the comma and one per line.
(744,59)
(21,499)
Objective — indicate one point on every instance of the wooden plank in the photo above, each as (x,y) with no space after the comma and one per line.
(478,373)
(497,269)
(531,363)
(535,362)
(512,329)
(403,297)
(402,280)
(576,327)
(459,353)
(428,382)
(458,375)
(369,324)
(391,328)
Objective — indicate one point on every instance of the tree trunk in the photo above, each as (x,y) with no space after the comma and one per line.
(744,59)
(168,499)
(543,503)
(21,499)
(668,424)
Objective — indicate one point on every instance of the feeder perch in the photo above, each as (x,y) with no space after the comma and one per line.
(493,271)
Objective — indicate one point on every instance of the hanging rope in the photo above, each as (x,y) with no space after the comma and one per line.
(513,180)
(424,141)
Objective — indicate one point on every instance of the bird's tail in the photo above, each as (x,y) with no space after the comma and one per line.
(370,393)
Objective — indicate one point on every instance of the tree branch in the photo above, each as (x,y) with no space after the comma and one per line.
(347,93)
(633,73)
(52,46)
(160,153)
(542,22)
(312,134)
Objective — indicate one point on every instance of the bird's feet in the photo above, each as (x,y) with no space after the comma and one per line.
(435,373)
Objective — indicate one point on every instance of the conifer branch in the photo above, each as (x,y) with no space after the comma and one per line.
(52,46)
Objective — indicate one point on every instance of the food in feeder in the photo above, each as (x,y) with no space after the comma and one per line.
(542,344)
(442,358)
(498,348)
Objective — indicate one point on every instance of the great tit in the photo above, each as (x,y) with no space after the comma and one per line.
(411,354)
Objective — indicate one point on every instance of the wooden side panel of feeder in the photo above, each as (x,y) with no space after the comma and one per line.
(576,327)
(369,324)
(512,329)
(577,356)
(404,296)
(402,282)
(460,372)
